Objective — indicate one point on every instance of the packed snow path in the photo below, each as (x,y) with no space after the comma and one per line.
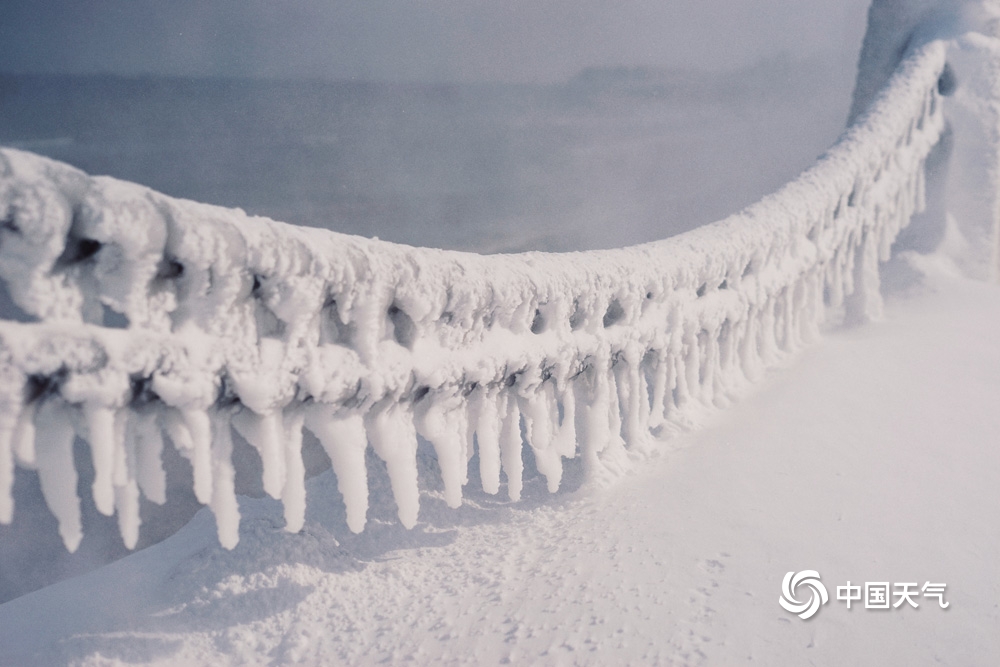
(871,458)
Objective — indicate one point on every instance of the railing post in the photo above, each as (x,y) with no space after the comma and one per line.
(963,216)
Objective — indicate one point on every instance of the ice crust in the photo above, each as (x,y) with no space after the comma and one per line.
(235,322)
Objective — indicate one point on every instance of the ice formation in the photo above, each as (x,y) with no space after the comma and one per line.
(153,322)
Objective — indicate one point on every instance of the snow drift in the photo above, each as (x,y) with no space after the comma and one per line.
(148,321)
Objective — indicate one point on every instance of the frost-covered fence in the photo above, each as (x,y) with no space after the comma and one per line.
(150,321)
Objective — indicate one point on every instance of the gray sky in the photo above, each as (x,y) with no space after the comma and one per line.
(438,40)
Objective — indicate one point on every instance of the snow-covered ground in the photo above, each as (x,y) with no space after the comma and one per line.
(870,458)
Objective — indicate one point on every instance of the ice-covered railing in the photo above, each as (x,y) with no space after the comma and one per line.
(147,316)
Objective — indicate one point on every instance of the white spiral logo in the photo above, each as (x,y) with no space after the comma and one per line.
(817,597)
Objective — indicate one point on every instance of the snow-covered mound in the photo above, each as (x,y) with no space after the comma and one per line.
(145,315)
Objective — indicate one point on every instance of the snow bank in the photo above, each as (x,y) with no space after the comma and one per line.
(146,316)
(965,220)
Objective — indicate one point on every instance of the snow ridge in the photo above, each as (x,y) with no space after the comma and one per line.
(145,316)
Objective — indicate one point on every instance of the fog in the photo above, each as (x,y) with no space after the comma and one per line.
(472,125)
(413,40)
(610,157)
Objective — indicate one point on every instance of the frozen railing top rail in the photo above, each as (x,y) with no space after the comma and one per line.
(143,315)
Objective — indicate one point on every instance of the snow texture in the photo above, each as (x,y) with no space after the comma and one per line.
(148,316)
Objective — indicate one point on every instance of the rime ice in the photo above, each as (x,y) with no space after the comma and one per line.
(245,323)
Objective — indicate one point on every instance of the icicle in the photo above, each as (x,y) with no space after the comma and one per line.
(887,234)
(540,416)
(738,336)
(627,379)
(124,462)
(919,201)
(658,408)
(814,306)
(264,433)
(564,441)
(835,280)
(669,402)
(718,353)
(749,349)
(725,356)
(645,408)
(778,324)
(394,439)
(191,433)
(442,422)
(536,408)
(549,463)
(510,446)
(56,471)
(293,494)
(701,376)
(849,252)
(200,428)
(750,361)
(613,453)
(786,322)
(768,328)
(101,436)
(681,395)
(796,306)
(816,310)
(711,372)
(865,304)
(788,298)
(614,411)
(692,362)
(344,440)
(8,425)
(224,505)
(148,439)
(594,434)
(468,438)
(127,506)
(23,441)
(126,487)
(803,308)
(486,417)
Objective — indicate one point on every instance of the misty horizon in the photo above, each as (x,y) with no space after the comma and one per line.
(438,41)
(637,70)
(490,167)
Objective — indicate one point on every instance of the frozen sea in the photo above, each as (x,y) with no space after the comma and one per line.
(610,157)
